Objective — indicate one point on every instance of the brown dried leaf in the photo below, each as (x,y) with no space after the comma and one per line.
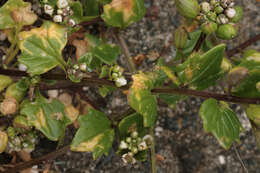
(81,47)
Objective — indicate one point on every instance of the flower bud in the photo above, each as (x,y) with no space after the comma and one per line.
(205,7)
(57,18)
(148,139)
(128,139)
(212,16)
(142,146)
(3,141)
(121,81)
(5,81)
(180,38)
(236,75)
(209,27)
(123,145)
(226,31)
(9,106)
(239,14)
(188,8)
(22,67)
(48,9)
(62,3)
(230,12)
(219,9)
(134,134)
(253,113)
(134,150)
(222,19)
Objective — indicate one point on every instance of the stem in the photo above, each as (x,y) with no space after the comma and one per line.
(12,52)
(242,46)
(21,166)
(64,83)
(124,48)
(199,42)
(153,154)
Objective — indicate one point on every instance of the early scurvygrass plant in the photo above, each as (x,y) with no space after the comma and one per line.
(202,64)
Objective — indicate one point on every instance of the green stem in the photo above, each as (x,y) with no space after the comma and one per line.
(153,154)
(14,49)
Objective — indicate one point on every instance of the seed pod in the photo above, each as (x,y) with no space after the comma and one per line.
(3,141)
(9,106)
(239,14)
(209,27)
(5,81)
(236,75)
(188,8)
(180,38)
(226,31)
(253,113)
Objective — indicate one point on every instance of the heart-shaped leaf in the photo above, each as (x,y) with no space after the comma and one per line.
(15,12)
(95,134)
(221,121)
(42,48)
(201,71)
(106,53)
(48,117)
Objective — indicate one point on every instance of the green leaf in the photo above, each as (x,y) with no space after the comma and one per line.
(42,48)
(78,15)
(122,13)
(221,121)
(106,53)
(141,99)
(190,44)
(91,7)
(133,122)
(105,90)
(14,12)
(94,134)
(201,71)
(48,117)
(248,86)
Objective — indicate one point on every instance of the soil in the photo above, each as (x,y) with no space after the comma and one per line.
(182,146)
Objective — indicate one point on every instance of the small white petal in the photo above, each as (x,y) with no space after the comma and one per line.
(230,12)
(62,3)
(48,9)
(22,67)
(57,18)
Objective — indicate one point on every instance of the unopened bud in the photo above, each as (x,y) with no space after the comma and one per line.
(148,139)
(227,31)
(222,19)
(209,27)
(205,7)
(57,18)
(219,9)
(188,8)
(62,3)
(180,38)
(123,145)
(134,134)
(48,9)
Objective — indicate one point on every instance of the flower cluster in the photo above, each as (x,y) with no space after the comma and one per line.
(19,140)
(117,76)
(134,144)
(220,16)
(60,12)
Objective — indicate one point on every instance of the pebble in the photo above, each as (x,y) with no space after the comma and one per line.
(222,159)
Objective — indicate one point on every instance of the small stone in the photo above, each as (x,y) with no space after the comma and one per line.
(222,159)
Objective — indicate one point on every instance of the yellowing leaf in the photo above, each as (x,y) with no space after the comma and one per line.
(3,141)
(42,48)
(121,13)
(14,12)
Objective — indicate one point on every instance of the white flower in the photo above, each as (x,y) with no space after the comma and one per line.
(148,139)
(62,3)
(48,9)
(57,18)
(60,11)
(134,134)
(205,6)
(142,146)
(123,145)
(22,67)
(121,81)
(71,22)
(83,67)
(230,12)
